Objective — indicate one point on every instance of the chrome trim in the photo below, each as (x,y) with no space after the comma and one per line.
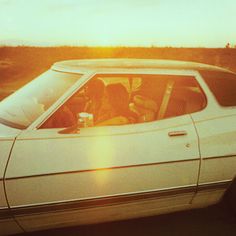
(82,204)
(216,157)
(177,133)
(214,185)
(79,135)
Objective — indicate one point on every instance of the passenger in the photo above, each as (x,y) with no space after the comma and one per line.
(116,107)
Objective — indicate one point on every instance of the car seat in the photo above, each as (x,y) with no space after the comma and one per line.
(144,107)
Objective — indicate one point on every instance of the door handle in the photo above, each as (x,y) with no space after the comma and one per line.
(177,133)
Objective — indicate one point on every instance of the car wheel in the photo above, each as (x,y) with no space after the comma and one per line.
(230,197)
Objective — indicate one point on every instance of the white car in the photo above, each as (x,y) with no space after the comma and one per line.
(102,140)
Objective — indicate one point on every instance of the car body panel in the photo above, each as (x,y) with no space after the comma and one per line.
(124,63)
(7,222)
(89,165)
(218,151)
(7,137)
(216,128)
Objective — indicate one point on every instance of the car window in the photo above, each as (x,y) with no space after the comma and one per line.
(129,99)
(23,107)
(222,85)
(186,97)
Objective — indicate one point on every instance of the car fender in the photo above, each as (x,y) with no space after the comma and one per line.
(7,139)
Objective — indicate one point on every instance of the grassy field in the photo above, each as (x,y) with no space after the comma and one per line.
(19,65)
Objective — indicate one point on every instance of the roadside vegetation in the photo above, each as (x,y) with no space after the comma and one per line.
(19,65)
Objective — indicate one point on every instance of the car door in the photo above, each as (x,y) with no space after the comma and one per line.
(103,173)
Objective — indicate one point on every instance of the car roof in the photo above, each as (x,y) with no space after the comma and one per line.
(98,64)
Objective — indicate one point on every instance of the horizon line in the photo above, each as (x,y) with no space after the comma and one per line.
(107,46)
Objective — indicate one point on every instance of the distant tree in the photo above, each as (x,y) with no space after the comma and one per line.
(227,45)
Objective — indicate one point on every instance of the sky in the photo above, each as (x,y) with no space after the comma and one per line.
(176,23)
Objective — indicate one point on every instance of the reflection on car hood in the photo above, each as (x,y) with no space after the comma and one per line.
(7,132)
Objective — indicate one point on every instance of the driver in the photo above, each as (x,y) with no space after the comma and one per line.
(95,92)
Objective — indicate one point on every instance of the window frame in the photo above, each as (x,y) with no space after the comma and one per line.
(91,74)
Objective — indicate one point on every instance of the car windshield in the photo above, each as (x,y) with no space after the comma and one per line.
(23,107)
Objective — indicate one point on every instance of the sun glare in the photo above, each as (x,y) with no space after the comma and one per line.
(102,153)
